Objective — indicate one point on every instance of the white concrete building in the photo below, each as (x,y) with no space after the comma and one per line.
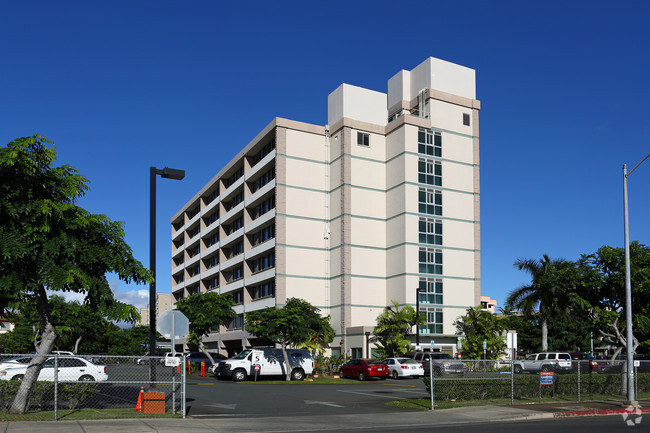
(349,216)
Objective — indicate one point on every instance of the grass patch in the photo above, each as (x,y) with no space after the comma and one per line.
(87,413)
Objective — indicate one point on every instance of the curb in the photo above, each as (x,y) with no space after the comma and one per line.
(596,412)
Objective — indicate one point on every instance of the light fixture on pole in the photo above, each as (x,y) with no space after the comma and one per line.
(629,346)
(167,173)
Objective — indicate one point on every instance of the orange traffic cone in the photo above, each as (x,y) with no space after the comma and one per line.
(138,405)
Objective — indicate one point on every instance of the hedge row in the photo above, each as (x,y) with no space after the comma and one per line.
(527,386)
(69,395)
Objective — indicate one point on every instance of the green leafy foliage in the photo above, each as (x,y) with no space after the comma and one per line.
(49,242)
(206,311)
(297,323)
(478,326)
(394,325)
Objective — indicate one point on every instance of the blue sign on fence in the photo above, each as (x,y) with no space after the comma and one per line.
(546,378)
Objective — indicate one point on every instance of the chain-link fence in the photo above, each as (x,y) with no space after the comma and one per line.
(500,382)
(95,386)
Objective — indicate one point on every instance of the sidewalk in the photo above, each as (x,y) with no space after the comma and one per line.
(380,421)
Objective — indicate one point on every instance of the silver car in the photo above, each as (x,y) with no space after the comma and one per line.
(404,367)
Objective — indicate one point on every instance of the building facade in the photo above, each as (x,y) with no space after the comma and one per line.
(350,216)
(163,303)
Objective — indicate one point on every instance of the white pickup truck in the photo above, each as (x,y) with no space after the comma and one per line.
(269,362)
(545,361)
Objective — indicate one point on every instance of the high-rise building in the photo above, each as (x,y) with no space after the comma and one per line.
(350,216)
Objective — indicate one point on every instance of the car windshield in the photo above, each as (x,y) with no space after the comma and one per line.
(441,356)
(407,361)
(242,355)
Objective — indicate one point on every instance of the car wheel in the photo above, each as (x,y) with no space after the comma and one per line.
(341,374)
(239,375)
(297,374)
(86,378)
(546,368)
(18,377)
(384,377)
(518,369)
(362,377)
(395,375)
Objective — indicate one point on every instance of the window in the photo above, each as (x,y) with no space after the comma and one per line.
(179,260)
(363,139)
(212,261)
(238,198)
(357,352)
(211,197)
(234,226)
(263,180)
(192,212)
(430,261)
(429,143)
(193,289)
(236,323)
(214,216)
(193,231)
(465,119)
(430,201)
(238,297)
(262,263)
(430,172)
(431,292)
(263,208)
(193,270)
(268,148)
(267,233)
(430,231)
(212,239)
(194,251)
(263,290)
(232,179)
(434,321)
(179,278)
(237,273)
(212,283)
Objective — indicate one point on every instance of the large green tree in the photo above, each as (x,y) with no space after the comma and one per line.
(292,325)
(393,329)
(603,289)
(479,325)
(48,242)
(206,311)
(547,291)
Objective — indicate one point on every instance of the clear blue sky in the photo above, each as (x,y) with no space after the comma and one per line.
(121,86)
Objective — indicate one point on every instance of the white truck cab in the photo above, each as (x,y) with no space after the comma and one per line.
(265,362)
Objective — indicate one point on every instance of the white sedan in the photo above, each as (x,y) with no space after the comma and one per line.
(70,369)
(15,362)
(404,367)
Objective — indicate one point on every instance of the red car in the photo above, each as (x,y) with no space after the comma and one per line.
(588,363)
(364,368)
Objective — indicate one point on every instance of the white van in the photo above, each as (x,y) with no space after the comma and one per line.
(270,362)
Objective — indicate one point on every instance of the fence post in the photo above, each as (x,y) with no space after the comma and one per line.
(183,386)
(432,383)
(174,390)
(512,376)
(56,387)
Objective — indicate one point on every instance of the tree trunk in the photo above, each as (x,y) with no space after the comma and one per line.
(286,362)
(43,348)
(544,333)
(205,352)
(76,344)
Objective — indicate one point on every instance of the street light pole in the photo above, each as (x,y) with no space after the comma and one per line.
(168,173)
(629,346)
(417,316)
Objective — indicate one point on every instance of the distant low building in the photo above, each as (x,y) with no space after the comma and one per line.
(163,303)
(6,325)
(489,304)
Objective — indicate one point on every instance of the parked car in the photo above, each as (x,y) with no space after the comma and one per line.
(588,363)
(558,362)
(404,367)
(265,362)
(443,363)
(15,362)
(70,369)
(364,368)
(144,359)
(199,357)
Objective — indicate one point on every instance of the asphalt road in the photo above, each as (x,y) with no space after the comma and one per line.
(209,397)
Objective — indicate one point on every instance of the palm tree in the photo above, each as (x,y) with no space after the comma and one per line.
(546,292)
